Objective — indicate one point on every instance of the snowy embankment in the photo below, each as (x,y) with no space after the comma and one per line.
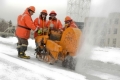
(111,55)
(20,69)
(14,68)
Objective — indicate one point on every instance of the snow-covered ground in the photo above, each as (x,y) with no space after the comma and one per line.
(14,68)
(111,55)
(102,54)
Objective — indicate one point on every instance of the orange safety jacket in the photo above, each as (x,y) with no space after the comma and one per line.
(56,24)
(24,25)
(40,23)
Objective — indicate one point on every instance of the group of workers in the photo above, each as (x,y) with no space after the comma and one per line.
(25,24)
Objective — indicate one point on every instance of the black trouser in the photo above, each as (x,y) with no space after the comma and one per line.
(22,41)
(22,45)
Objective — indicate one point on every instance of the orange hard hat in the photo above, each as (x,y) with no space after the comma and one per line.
(32,8)
(67,18)
(52,12)
(44,11)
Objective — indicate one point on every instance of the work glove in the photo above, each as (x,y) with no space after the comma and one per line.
(39,31)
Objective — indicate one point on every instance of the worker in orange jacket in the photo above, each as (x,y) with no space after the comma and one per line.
(24,26)
(54,24)
(69,23)
(41,22)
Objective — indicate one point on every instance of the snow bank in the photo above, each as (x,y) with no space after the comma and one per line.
(104,76)
(102,54)
(10,71)
(48,73)
(111,55)
(8,66)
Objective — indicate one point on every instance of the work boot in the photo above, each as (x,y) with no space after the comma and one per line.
(23,48)
(26,55)
(18,52)
(18,49)
(23,55)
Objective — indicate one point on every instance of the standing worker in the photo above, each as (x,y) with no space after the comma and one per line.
(41,22)
(24,26)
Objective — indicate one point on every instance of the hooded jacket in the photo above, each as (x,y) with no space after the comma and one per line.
(72,25)
(40,23)
(25,24)
(56,24)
